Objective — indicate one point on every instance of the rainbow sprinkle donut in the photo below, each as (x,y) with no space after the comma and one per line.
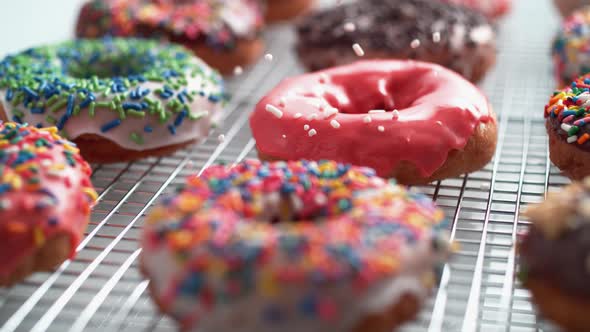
(571,47)
(292,246)
(45,200)
(118,99)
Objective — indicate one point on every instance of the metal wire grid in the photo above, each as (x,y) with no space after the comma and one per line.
(102,288)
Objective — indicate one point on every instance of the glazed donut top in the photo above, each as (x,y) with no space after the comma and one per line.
(45,189)
(219,23)
(374,113)
(257,231)
(136,93)
(568,110)
(571,46)
(558,244)
(396,26)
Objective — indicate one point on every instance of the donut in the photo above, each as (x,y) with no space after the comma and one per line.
(568,128)
(567,7)
(570,47)
(117,99)
(554,256)
(282,10)
(413,121)
(425,30)
(45,200)
(297,246)
(224,33)
(493,9)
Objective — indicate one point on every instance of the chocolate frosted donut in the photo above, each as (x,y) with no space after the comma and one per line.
(431,31)
(555,256)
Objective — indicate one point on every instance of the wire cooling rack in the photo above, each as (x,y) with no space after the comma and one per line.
(102,288)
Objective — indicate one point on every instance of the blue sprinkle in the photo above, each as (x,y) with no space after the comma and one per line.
(181,98)
(62,122)
(70,106)
(9,94)
(17,119)
(131,106)
(110,125)
(308,305)
(4,188)
(39,125)
(214,99)
(148,129)
(30,92)
(180,118)
(172,129)
(37,110)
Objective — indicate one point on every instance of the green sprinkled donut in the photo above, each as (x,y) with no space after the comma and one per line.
(134,96)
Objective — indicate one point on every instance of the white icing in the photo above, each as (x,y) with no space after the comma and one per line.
(160,137)
(241,17)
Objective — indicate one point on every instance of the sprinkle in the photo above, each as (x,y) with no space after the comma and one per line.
(284,136)
(415,43)
(436,37)
(367,119)
(312,132)
(335,124)
(306,127)
(349,27)
(394,114)
(238,71)
(583,138)
(275,111)
(572,139)
(376,111)
(268,57)
(298,115)
(381,128)
(358,50)
(110,125)
(221,138)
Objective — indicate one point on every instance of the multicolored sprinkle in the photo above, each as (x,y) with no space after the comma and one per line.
(218,23)
(114,81)
(571,47)
(568,112)
(259,229)
(45,189)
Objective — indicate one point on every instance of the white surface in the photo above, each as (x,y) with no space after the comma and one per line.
(26,23)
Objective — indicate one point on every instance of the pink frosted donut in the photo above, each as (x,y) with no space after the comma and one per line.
(414,121)
(45,200)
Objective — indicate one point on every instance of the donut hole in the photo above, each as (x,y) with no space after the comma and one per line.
(105,66)
(364,93)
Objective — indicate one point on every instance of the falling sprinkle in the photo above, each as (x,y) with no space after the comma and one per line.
(275,111)
(268,57)
(358,50)
(284,136)
(415,43)
(381,128)
(436,37)
(238,71)
(349,27)
(221,138)
(335,124)
(312,132)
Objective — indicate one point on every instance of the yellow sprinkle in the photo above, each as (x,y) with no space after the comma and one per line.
(38,236)
(91,193)
(52,130)
(267,284)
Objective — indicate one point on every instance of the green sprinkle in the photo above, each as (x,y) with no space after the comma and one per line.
(137,138)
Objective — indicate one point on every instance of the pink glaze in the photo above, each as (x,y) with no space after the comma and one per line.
(491,8)
(438,112)
(31,211)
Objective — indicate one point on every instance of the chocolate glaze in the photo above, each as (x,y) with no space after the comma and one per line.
(392,25)
(563,261)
